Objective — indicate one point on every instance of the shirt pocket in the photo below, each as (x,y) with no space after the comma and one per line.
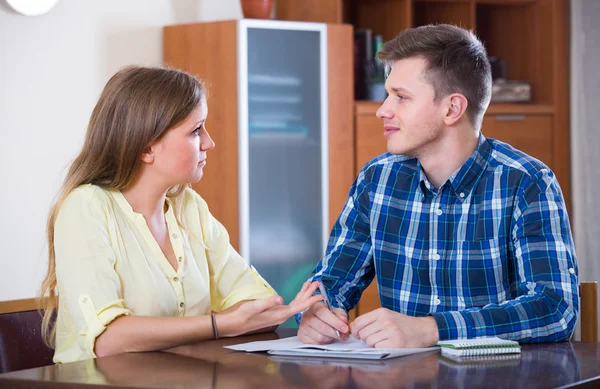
(482,271)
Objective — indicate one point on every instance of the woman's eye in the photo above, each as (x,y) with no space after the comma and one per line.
(196,131)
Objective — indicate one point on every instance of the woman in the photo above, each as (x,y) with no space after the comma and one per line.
(137,260)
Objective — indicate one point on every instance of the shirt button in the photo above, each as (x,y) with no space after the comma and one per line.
(571,270)
(438,212)
(181,305)
(436,256)
(437,301)
(176,279)
(462,195)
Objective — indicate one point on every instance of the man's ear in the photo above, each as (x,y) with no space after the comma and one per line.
(456,108)
(148,154)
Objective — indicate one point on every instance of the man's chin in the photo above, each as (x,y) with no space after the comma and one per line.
(395,149)
(400,151)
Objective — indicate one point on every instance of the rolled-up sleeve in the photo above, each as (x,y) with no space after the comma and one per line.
(85,267)
(546,306)
(232,279)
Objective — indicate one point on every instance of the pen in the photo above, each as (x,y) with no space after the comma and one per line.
(327,303)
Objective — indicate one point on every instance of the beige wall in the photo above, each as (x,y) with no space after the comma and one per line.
(52,69)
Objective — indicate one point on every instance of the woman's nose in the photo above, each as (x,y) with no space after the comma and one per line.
(206,142)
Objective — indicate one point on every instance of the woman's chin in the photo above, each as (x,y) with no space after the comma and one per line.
(198,176)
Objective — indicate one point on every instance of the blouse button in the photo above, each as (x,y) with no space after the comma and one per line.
(181,304)
(174,235)
(176,279)
(180,259)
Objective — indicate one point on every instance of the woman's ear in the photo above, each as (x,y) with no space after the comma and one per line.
(148,155)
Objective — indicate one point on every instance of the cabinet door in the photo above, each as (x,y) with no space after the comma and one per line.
(531,134)
(285,127)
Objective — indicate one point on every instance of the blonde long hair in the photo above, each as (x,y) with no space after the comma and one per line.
(137,106)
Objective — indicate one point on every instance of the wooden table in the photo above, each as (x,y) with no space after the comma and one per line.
(209,365)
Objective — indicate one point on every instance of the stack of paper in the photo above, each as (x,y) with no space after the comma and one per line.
(353,348)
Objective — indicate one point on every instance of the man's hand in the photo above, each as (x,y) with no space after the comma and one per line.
(383,328)
(319,324)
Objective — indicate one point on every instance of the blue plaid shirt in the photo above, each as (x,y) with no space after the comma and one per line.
(489,253)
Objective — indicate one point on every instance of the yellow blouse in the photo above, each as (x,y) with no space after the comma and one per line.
(108,264)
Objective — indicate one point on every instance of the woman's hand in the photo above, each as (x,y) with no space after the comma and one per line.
(264,313)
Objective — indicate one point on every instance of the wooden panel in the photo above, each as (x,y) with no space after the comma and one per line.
(209,50)
(369,301)
(23,305)
(588,293)
(527,49)
(493,23)
(444,1)
(497,108)
(507,2)
(385,17)
(541,56)
(562,134)
(473,13)
(531,134)
(323,11)
(341,118)
(370,141)
(458,13)
(367,107)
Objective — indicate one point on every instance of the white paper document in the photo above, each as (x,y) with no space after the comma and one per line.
(353,348)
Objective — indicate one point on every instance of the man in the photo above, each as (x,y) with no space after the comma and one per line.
(468,237)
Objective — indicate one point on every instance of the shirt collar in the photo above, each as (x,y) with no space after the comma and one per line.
(465,177)
(136,217)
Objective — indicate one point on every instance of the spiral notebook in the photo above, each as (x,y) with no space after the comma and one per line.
(477,347)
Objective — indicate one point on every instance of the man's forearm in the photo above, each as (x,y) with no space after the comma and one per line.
(530,318)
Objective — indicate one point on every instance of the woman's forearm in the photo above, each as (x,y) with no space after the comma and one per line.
(147,333)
